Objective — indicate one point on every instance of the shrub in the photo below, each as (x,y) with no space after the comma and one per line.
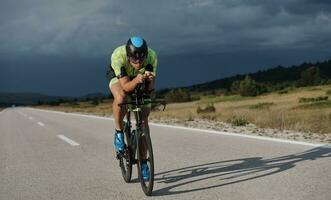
(210,108)
(73,103)
(178,95)
(54,103)
(263,105)
(315,105)
(328,92)
(61,101)
(190,117)
(209,117)
(238,121)
(306,100)
(95,101)
(283,92)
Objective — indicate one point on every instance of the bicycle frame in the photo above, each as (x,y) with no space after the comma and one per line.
(132,153)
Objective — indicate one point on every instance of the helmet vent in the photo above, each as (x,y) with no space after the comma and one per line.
(137,41)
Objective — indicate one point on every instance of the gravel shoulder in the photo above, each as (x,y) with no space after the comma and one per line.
(249,129)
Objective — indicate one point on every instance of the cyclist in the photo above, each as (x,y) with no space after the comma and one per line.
(131,65)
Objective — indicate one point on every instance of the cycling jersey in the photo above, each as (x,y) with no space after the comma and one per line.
(120,66)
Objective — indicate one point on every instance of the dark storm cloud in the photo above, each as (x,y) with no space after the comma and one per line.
(92,27)
(218,35)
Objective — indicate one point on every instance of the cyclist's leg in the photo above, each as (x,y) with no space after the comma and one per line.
(119,97)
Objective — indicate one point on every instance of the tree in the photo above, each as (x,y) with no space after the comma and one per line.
(61,101)
(310,76)
(95,101)
(178,95)
(235,87)
(248,87)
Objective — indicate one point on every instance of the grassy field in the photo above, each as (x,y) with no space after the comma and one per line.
(103,109)
(280,110)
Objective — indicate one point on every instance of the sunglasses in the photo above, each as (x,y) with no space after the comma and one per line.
(136,60)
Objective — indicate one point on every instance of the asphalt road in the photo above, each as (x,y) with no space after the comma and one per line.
(49,155)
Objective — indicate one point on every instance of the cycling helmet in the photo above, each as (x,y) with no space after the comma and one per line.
(136,48)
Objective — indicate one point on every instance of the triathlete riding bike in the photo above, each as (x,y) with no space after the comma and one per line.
(131,65)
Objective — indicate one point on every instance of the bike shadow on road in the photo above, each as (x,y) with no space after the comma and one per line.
(231,171)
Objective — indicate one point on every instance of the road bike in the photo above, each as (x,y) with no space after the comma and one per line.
(134,138)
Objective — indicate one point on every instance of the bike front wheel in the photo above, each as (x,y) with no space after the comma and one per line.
(147,185)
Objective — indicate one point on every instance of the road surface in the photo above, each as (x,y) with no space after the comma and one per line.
(51,155)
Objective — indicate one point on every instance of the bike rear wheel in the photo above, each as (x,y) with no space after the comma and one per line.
(126,168)
(125,158)
(147,186)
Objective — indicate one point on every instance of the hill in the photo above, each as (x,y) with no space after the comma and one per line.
(277,78)
(279,75)
(8,99)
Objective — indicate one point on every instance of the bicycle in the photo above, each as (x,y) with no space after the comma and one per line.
(133,140)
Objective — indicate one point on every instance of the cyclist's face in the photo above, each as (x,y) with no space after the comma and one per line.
(136,63)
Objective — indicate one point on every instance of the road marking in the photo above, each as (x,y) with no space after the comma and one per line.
(21,113)
(201,130)
(70,141)
(41,124)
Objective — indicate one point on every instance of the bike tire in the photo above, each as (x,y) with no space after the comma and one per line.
(147,186)
(125,160)
(126,169)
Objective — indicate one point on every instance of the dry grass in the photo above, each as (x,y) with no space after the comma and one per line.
(281,111)
(103,109)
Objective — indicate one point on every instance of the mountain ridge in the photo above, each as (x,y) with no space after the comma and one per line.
(276,75)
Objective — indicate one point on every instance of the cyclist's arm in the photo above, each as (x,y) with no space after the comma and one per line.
(151,73)
(128,85)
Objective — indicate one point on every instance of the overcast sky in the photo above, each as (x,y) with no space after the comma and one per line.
(63,47)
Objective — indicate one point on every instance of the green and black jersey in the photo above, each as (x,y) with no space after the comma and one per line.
(120,66)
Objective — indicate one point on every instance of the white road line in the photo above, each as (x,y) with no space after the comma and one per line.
(203,130)
(21,113)
(70,141)
(41,124)
(240,135)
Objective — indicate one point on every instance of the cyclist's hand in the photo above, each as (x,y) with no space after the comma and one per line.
(149,76)
(140,78)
